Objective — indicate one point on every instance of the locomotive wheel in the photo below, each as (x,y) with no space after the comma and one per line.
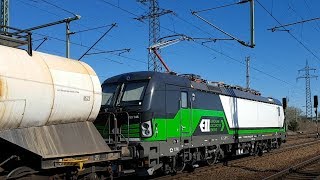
(218,154)
(20,172)
(212,160)
(260,151)
(180,164)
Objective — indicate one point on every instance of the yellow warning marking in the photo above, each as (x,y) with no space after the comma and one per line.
(74,162)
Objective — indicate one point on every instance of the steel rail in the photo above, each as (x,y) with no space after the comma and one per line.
(293,168)
(235,160)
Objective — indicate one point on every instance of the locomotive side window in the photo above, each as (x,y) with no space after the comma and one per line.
(184,99)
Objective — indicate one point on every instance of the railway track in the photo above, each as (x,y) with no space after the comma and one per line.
(302,135)
(309,169)
(234,162)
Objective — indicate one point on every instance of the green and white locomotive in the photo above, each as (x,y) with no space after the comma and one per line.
(164,121)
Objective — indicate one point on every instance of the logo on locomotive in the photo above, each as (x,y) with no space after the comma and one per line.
(212,124)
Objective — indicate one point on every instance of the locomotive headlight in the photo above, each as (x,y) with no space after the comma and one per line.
(146,129)
(145,125)
(147,132)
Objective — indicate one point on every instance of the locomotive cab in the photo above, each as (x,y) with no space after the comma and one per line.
(125,118)
(133,108)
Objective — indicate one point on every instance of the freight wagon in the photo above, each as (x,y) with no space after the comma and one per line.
(47,108)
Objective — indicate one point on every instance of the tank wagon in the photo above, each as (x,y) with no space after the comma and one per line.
(170,123)
(47,106)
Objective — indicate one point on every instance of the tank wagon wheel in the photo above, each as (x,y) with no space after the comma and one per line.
(20,172)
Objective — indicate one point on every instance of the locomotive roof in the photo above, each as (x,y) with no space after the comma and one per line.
(195,83)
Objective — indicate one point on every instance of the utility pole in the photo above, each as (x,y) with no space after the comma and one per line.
(68,39)
(248,73)
(307,76)
(154,31)
(315,105)
(4,14)
(252,23)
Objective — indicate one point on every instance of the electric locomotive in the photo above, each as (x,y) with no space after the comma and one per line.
(168,122)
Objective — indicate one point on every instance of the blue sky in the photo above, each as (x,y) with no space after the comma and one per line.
(277,55)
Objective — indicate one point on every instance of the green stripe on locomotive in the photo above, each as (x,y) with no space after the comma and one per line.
(172,128)
(134,130)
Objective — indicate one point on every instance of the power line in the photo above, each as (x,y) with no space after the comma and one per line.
(59,7)
(310,12)
(137,60)
(119,51)
(131,13)
(252,43)
(28,4)
(223,54)
(113,60)
(81,45)
(289,32)
(258,70)
(223,6)
(201,29)
(193,25)
(291,24)
(44,39)
(219,29)
(112,26)
(241,62)
(136,17)
(85,46)
(174,32)
(120,8)
(90,29)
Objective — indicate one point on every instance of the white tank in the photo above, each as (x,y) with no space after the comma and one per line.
(44,89)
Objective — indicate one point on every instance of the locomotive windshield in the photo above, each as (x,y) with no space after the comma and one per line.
(123,94)
(108,93)
(133,92)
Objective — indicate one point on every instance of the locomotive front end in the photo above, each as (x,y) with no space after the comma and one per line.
(122,119)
